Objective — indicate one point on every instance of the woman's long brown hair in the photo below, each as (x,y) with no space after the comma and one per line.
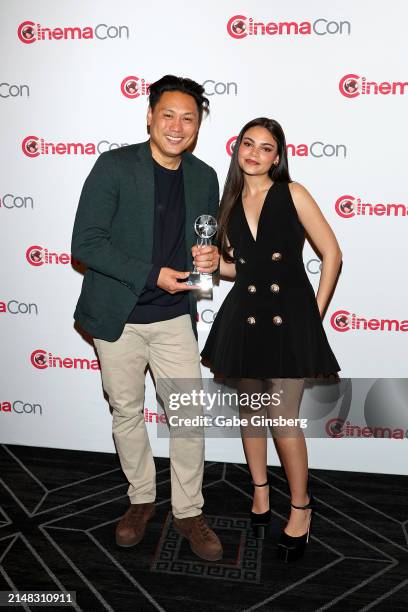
(235,179)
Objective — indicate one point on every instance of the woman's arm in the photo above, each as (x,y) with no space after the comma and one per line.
(321,234)
(227,270)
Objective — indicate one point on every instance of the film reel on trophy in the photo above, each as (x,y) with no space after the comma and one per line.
(205,227)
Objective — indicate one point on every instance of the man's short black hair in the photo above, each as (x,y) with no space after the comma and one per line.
(173,83)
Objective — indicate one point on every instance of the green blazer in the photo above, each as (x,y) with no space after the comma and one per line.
(113,233)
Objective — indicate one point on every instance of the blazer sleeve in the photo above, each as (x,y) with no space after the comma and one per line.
(91,237)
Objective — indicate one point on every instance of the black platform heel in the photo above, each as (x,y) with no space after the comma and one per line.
(292,548)
(260,522)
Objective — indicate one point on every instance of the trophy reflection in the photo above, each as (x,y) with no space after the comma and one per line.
(205,227)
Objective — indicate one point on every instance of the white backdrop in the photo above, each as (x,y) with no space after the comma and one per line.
(333,74)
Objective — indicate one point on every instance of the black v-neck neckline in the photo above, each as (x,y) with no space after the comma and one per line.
(260,214)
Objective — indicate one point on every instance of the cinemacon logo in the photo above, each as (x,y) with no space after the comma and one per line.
(315,149)
(14,91)
(15,307)
(348,206)
(353,85)
(20,407)
(343,320)
(40,256)
(240,26)
(133,87)
(30,32)
(11,201)
(338,428)
(33,146)
(42,360)
(150,416)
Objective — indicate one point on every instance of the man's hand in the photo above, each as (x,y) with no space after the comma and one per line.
(168,280)
(206,258)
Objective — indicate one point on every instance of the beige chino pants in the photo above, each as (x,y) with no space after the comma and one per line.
(171,350)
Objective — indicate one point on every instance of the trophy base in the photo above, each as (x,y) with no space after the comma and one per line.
(203,282)
(194,279)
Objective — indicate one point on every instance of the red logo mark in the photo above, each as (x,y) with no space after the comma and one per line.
(237,26)
(349,86)
(31,146)
(133,87)
(26,32)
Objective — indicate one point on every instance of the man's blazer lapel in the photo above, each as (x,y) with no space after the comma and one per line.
(143,177)
(192,199)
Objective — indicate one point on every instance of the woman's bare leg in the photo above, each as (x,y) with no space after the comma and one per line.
(291,447)
(255,446)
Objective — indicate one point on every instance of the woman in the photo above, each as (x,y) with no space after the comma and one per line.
(268,332)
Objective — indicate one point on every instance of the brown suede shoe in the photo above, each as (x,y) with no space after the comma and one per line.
(132,526)
(203,541)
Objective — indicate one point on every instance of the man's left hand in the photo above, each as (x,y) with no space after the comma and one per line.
(206,258)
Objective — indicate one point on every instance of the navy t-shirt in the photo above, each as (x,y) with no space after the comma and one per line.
(169,249)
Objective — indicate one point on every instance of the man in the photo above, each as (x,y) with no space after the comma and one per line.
(133,230)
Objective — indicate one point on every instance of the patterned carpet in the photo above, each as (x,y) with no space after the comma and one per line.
(58,510)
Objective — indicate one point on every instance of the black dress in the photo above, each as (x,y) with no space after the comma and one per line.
(269,324)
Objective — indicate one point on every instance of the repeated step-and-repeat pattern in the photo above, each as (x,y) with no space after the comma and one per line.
(74,82)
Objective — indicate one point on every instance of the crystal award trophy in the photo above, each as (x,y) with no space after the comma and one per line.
(205,227)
